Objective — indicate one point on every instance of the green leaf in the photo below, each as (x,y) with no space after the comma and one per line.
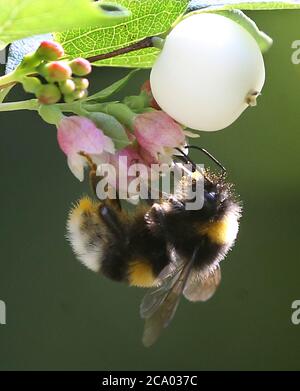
(112,128)
(263,40)
(50,114)
(23,18)
(149,18)
(112,89)
(243,5)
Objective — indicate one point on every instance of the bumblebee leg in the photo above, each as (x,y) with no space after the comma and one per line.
(95,179)
(158,211)
(177,204)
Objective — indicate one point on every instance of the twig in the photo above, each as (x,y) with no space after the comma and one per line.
(144,44)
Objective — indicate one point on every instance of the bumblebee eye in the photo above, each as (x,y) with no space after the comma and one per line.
(211,196)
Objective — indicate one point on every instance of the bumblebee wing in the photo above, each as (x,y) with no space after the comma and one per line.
(159,306)
(155,297)
(201,286)
(160,319)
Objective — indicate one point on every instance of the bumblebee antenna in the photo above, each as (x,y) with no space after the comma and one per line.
(209,155)
(184,157)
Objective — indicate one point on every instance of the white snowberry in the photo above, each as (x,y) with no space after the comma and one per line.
(210,70)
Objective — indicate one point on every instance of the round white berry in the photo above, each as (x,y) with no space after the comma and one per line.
(210,70)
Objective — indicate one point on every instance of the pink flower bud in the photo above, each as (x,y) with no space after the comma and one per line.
(50,51)
(80,134)
(146,87)
(48,94)
(158,134)
(81,67)
(57,71)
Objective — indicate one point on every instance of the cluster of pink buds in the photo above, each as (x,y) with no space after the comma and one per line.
(51,78)
(153,139)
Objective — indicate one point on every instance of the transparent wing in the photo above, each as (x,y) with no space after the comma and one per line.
(154,298)
(159,306)
(201,286)
(165,282)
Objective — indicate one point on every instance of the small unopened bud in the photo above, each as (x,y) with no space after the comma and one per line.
(80,94)
(76,95)
(31,84)
(81,67)
(50,51)
(48,94)
(56,71)
(67,86)
(81,84)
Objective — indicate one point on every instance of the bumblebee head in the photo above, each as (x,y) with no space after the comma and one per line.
(219,195)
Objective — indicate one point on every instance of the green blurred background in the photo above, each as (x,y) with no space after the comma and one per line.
(61,316)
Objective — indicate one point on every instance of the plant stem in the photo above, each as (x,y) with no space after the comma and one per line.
(75,107)
(32,104)
(8,80)
(143,44)
(4,92)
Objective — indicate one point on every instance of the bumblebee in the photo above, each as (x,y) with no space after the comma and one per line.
(162,246)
